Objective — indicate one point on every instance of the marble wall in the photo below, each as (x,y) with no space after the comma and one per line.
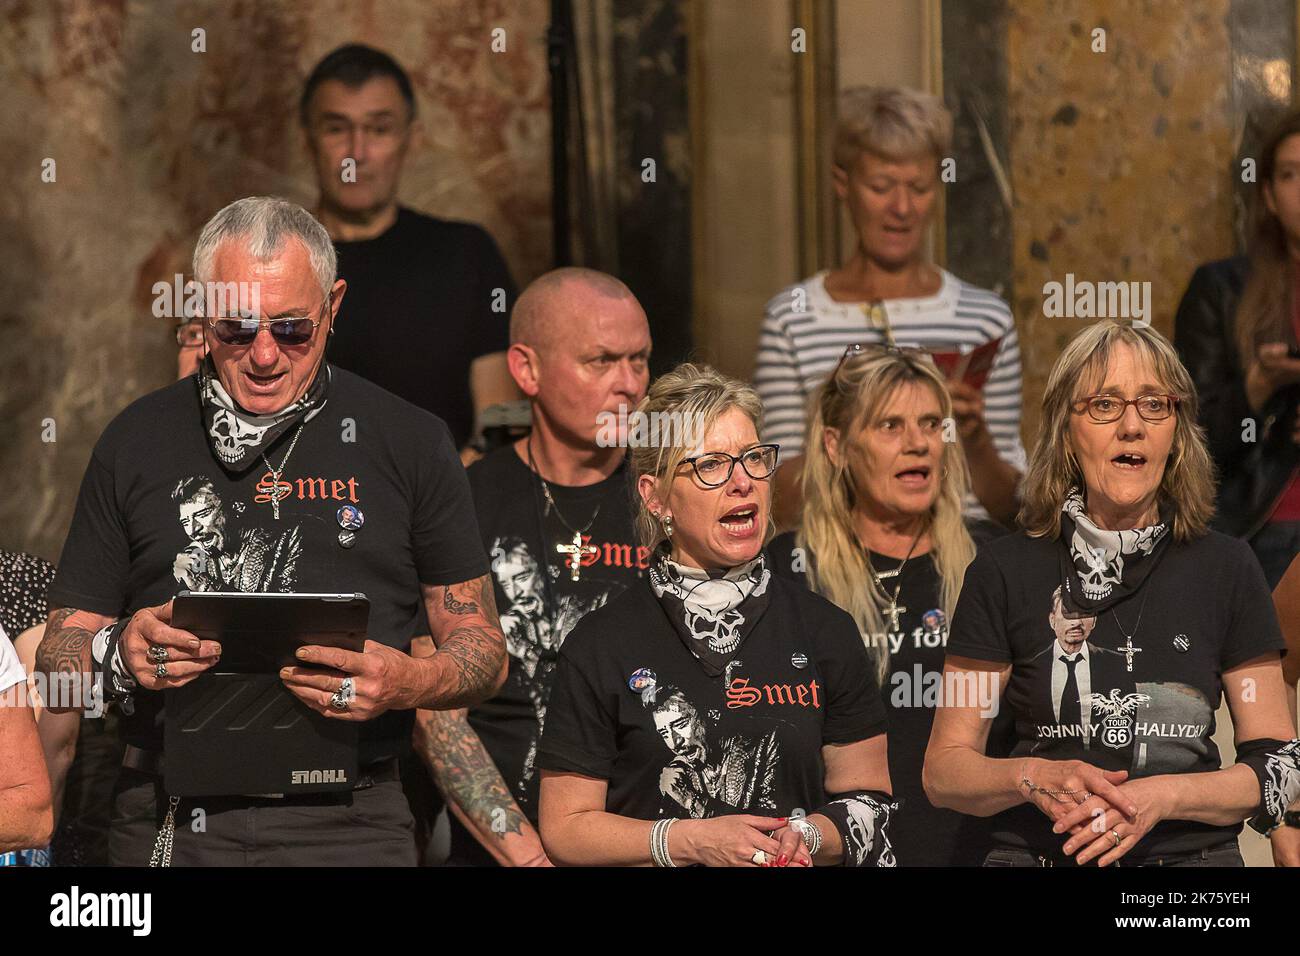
(149,138)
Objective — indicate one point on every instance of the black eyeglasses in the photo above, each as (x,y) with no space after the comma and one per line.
(715,468)
(1105,409)
(291,330)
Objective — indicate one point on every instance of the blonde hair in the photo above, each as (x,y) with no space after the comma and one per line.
(690,393)
(848,400)
(1187,487)
(894,123)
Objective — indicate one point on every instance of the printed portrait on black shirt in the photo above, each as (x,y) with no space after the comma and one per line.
(221,555)
(1147,727)
(711,772)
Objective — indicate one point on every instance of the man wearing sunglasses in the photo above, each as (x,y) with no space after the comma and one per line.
(338,487)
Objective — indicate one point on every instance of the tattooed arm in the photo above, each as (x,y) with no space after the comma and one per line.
(64,654)
(470,663)
(471,783)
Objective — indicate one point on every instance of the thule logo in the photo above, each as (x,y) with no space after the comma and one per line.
(319,776)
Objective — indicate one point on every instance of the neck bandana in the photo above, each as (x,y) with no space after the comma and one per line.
(238,437)
(711,611)
(1100,568)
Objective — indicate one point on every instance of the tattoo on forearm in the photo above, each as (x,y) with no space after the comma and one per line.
(466,775)
(473,644)
(64,650)
(459,598)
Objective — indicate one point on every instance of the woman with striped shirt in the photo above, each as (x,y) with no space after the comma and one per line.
(888,148)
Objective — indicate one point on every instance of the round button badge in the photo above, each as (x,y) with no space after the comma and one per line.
(351,518)
(642,679)
(347,538)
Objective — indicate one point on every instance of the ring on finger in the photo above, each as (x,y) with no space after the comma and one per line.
(157,654)
(759,858)
(1114,835)
(160,670)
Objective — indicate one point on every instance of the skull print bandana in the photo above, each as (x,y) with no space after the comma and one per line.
(238,437)
(1100,568)
(711,611)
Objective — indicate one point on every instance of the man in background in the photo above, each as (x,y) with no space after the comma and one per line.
(428,302)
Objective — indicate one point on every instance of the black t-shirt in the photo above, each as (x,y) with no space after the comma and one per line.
(537,613)
(421,305)
(147,525)
(631,705)
(921,834)
(1203,610)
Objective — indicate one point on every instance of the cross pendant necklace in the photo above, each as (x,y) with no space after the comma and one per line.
(894,610)
(276,493)
(576,550)
(1128,650)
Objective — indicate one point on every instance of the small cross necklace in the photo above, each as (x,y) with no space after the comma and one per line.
(276,493)
(894,610)
(576,550)
(1128,650)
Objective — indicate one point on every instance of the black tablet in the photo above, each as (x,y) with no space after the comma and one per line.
(237,729)
(259,633)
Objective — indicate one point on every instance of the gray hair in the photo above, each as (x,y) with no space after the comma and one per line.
(895,123)
(265,222)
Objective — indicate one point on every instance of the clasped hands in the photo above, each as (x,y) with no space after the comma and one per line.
(1102,813)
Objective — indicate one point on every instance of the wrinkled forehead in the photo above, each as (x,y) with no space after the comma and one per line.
(1123,367)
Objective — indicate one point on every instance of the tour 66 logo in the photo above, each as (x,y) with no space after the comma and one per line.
(1117,716)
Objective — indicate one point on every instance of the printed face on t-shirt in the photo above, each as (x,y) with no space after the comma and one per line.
(265,377)
(1071,627)
(680,727)
(521,581)
(204,520)
(369,125)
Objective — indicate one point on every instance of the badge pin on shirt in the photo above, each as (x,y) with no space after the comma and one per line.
(799,659)
(642,680)
(1182,644)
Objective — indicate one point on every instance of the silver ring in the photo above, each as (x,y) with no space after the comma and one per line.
(348,690)
(338,701)
(160,671)
(1118,839)
(157,654)
(759,857)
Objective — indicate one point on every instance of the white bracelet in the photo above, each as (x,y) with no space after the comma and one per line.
(659,842)
(808,832)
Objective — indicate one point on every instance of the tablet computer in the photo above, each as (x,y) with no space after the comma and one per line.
(237,729)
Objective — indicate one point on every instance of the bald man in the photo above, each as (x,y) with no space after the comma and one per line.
(555,513)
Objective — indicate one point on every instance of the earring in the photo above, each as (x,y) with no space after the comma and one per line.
(667,521)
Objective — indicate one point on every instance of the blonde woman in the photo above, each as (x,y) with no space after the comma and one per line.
(1113,625)
(888,147)
(713,714)
(883,538)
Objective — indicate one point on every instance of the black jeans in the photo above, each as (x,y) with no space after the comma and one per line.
(370,827)
(1225,854)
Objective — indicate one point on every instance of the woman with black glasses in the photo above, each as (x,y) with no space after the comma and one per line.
(714,714)
(1114,624)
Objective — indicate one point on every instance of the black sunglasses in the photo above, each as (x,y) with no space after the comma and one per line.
(292,330)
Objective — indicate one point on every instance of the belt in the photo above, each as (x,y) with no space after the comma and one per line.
(152,762)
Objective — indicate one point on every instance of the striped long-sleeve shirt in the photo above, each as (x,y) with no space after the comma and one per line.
(805,332)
